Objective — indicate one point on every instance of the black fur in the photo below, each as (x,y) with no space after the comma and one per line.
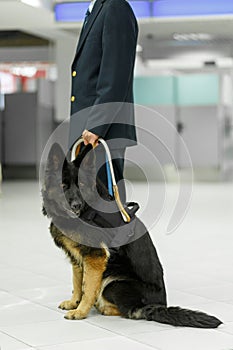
(138,288)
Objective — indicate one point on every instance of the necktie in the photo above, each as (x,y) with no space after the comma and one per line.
(86,18)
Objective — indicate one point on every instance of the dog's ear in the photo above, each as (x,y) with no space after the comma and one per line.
(86,158)
(56,158)
(89,161)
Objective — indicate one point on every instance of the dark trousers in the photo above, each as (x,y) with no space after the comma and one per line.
(118,166)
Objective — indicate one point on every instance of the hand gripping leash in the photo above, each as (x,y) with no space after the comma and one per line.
(110,173)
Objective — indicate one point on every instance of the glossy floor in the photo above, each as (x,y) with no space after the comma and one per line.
(36,277)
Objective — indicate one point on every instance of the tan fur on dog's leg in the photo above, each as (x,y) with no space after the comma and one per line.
(92,278)
(111,310)
(77,290)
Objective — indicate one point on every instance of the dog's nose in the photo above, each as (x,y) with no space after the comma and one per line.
(75,206)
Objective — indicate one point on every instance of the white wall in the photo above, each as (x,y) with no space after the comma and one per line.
(65,50)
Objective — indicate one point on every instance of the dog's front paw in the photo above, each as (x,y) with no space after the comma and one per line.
(75,315)
(68,305)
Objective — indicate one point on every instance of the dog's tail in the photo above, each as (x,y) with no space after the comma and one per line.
(175,316)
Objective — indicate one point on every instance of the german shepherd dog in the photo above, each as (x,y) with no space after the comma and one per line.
(127,281)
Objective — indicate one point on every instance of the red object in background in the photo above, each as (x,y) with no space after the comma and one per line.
(24,80)
(40,74)
(8,81)
(24,83)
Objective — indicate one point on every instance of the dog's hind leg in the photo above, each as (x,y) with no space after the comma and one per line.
(132,303)
(125,295)
(77,290)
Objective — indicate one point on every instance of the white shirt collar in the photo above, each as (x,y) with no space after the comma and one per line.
(91,5)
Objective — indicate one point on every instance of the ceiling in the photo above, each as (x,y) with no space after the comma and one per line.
(155,36)
(17,38)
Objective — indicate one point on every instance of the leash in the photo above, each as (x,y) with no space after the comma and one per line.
(112,186)
(109,177)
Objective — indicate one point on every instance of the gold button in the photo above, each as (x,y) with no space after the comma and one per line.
(72,98)
(74,73)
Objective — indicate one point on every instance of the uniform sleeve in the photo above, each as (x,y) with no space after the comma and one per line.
(119,41)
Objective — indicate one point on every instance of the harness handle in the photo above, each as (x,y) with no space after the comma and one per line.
(74,153)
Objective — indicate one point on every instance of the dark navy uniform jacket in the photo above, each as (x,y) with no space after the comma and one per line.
(102,74)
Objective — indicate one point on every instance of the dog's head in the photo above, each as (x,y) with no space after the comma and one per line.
(68,186)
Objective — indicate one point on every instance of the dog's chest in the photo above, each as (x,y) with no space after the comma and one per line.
(72,249)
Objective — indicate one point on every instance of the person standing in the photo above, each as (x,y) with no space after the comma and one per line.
(102,74)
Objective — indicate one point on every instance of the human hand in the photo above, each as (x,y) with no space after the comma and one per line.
(89,137)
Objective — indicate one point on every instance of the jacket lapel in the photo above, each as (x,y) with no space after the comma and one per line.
(95,11)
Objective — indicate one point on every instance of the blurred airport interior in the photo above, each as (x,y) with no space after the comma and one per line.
(184,71)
